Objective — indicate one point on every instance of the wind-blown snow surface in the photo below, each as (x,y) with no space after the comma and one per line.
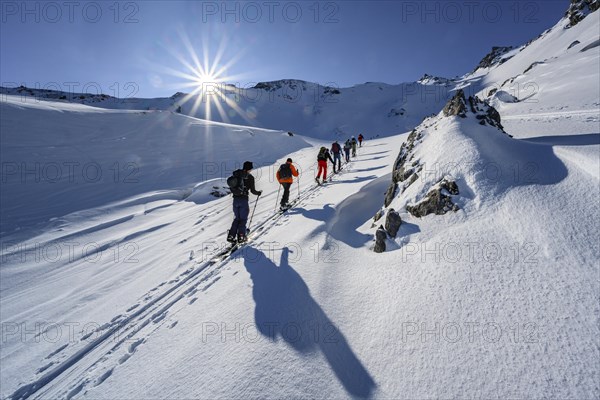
(53,153)
(497,300)
(553,78)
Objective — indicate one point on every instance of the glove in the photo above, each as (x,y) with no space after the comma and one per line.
(259,192)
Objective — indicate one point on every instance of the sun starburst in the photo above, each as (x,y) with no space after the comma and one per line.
(206,78)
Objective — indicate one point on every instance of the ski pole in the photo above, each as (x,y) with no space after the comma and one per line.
(251,216)
(277,199)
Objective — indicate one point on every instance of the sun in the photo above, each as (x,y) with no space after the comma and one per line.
(205,78)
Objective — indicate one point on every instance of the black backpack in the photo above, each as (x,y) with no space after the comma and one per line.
(236,182)
(285,171)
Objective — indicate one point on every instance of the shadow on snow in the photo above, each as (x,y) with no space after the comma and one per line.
(285,309)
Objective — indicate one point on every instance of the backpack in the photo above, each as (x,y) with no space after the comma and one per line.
(285,171)
(236,182)
(335,147)
(322,153)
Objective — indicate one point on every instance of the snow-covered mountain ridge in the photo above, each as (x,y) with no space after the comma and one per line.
(485,282)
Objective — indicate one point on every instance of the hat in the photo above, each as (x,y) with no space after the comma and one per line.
(247,166)
(288,160)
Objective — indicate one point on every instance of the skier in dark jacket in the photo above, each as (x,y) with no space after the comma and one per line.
(336,149)
(322,158)
(360,139)
(241,208)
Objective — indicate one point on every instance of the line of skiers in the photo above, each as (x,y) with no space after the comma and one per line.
(242,183)
(350,145)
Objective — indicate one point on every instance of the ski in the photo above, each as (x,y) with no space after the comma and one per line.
(290,205)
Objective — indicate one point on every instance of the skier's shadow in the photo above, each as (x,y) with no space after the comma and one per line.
(285,309)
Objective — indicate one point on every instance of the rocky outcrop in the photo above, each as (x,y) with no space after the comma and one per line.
(456,106)
(274,85)
(437,201)
(579,9)
(434,80)
(403,171)
(495,57)
(485,113)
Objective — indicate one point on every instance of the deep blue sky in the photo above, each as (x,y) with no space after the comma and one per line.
(339,43)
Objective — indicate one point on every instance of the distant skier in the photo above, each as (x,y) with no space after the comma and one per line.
(336,149)
(360,139)
(285,176)
(347,147)
(244,184)
(322,158)
(353,144)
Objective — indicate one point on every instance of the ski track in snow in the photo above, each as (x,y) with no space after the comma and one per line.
(134,327)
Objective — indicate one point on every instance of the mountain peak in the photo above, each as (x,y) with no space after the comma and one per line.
(427,79)
(495,57)
(274,85)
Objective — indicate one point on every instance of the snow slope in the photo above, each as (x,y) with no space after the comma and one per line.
(552,79)
(305,108)
(53,152)
(496,300)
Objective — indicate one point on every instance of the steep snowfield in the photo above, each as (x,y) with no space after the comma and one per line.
(552,80)
(122,297)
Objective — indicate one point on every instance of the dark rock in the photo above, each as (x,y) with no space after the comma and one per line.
(392,222)
(275,85)
(400,175)
(579,9)
(330,90)
(575,43)
(390,193)
(412,180)
(450,186)
(378,215)
(533,65)
(436,202)
(495,57)
(380,237)
(456,105)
